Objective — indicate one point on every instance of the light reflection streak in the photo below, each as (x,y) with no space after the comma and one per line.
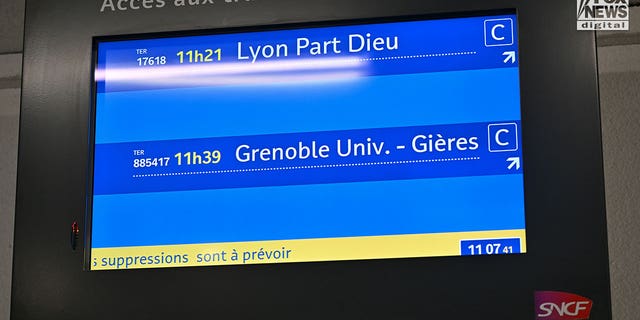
(271,79)
(327,69)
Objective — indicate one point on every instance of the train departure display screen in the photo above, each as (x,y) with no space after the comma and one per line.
(308,143)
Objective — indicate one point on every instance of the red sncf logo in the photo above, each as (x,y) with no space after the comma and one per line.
(555,305)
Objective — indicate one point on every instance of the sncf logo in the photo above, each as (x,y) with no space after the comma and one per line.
(554,305)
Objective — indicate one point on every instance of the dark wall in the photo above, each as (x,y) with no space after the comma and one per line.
(566,224)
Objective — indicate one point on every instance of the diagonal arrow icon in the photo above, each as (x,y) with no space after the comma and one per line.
(510,55)
(515,161)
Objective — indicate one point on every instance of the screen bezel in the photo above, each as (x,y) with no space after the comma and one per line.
(566,219)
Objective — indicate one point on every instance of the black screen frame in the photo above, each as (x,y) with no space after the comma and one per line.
(564,193)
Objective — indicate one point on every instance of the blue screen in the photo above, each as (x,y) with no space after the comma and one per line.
(351,142)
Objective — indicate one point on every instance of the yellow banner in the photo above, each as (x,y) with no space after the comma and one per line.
(283,251)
